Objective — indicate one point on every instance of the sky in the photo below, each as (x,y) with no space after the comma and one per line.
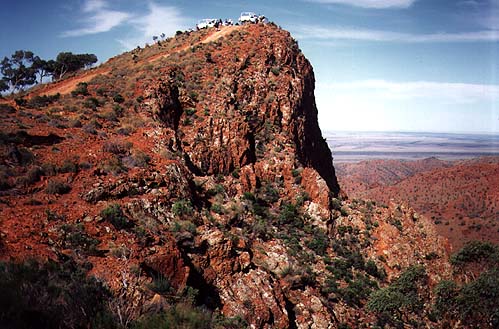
(380,65)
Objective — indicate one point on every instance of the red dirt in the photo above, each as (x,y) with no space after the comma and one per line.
(462,199)
(215,35)
(66,86)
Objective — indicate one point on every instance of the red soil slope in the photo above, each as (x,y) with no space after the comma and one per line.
(461,197)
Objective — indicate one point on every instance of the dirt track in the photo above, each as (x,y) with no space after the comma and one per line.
(66,86)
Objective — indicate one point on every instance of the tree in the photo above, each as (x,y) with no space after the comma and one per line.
(3,85)
(43,68)
(396,303)
(67,62)
(17,70)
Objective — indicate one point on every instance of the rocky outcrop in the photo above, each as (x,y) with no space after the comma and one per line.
(206,184)
(257,103)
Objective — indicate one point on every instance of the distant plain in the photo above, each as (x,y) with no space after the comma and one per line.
(359,146)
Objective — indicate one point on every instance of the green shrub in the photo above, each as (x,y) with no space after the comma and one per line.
(476,251)
(32,176)
(75,237)
(183,226)
(478,301)
(182,207)
(117,98)
(113,165)
(190,111)
(21,155)
(42,101)
(92,127)
(289,215)
(373,270)
(183,316)
(50,295)
(400,296)
(271,194)
(91,103)
(249,196)
(344,211)
(55,186)
(216,208)
(336,204)
(117,147)
(69,166)
(137,159)
(81,89)
(445,297)
(319,242)
(114,215)
(357,290)
(160,285)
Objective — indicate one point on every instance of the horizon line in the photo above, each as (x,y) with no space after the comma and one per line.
(413,132)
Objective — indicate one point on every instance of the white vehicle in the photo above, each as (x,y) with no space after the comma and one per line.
(248,17)
(206,22)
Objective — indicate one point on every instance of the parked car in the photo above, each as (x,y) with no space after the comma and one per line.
(206,22)
(248,17)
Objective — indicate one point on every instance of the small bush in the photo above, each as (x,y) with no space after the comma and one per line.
(182,207)
(42,101)
(81,89)
(216,208)
(183,316)
(401,296)
(69,166)
(117,147)
(92,127)
(6,108)
(336,204)
(160,285)
(114,215)
(344,212)
(118,98)
(475,251)
(319,242)
(113,165)
(56,186)
(32,176)
(50,295)
(137,159)
(75,237)
(249,196)
(21,155)
(91,103)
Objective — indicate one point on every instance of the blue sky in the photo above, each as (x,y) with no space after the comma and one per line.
(380,65)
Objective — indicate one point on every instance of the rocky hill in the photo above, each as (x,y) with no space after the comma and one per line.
(187,184)
(461,197)
(358,177)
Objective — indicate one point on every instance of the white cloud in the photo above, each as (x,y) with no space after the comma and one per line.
(411,106)
(335,33)
(458,93)
(375,4)
(93,5)
(159,19)
(98,19)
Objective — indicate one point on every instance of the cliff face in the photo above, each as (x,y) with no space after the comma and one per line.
(244,101)
(199,162)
